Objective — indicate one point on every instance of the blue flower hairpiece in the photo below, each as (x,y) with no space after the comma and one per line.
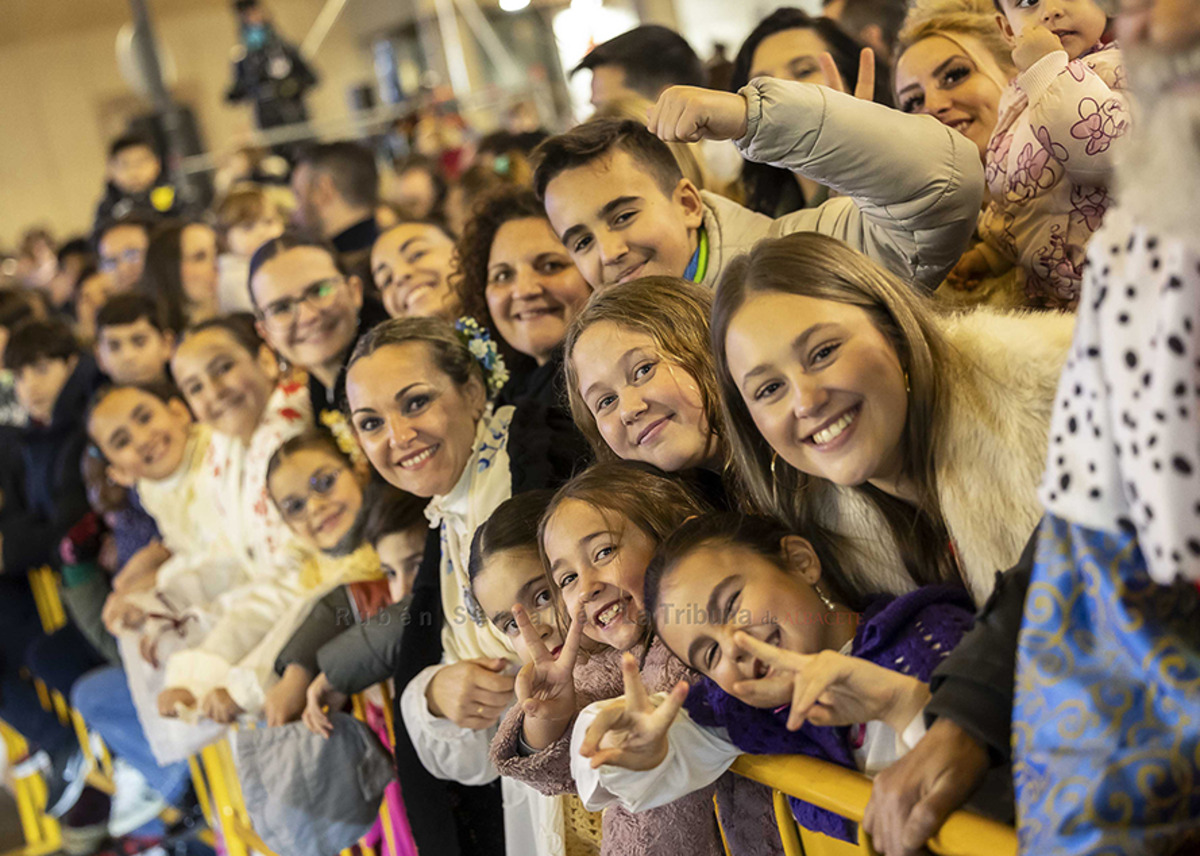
(483,349)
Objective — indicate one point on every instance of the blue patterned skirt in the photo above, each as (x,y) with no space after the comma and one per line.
(1106,720)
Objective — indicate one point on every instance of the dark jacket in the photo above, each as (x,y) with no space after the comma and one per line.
(447,818)
(54,494)
(530,382)
(275,77)
(973,687)
(353,247)
(358,645)
(367,653)
(160,202)
(322,397)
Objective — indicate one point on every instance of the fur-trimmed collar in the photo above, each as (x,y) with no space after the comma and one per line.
(1003,377)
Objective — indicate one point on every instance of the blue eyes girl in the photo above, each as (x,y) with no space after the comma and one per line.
(601,555)
(640,372)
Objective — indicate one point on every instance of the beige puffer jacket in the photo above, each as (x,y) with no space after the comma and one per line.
(911,187)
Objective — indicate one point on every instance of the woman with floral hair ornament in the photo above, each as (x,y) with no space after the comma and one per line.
(417,395)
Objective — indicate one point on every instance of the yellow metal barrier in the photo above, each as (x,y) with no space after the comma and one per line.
(42,832)
(44,583)
(845,792)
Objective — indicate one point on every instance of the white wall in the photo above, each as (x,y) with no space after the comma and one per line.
(703,22)
(54,92)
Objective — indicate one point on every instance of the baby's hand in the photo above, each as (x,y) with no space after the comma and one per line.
(322,697)
(546,686)
(631,732)
(171,698)
(829,688)
(688,114)
(971,268)
(220,707)
(1033,43)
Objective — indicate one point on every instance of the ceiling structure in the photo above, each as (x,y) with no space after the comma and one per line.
(26,20)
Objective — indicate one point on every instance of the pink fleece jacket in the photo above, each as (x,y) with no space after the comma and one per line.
(687,825)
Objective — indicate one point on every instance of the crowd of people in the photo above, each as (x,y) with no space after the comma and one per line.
(884,452)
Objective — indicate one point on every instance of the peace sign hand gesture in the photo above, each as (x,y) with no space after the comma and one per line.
(631,732)
(546,686)
(829,688)
(864,89)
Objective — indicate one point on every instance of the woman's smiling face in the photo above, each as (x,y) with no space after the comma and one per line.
(317,495)
(824,386)
(416,425)
(533,287)
(309,311)
(938,77)
(411,265)
(598,562)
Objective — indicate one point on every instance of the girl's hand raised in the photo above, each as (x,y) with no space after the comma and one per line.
(829,688)
(545,685)
(631,732)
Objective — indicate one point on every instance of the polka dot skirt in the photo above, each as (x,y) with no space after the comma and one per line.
(1125,435)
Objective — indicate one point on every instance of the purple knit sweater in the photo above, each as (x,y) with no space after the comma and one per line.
(912,634)
(686,826)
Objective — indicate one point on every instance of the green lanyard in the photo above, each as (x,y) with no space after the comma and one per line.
(701,266)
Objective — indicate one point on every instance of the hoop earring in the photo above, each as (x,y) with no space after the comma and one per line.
(829,605)
(774,481)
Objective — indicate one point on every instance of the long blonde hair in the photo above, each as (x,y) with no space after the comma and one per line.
(674,313)
(820,267)
(951,19)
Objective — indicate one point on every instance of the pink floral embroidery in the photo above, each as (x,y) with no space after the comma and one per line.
(1059,286)
(1034,172)
(1088,204)
(997,159)
(1099,124)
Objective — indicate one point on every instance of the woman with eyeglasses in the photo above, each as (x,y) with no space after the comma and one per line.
(310,312)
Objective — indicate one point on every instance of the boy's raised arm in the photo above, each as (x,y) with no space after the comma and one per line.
(915,184)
